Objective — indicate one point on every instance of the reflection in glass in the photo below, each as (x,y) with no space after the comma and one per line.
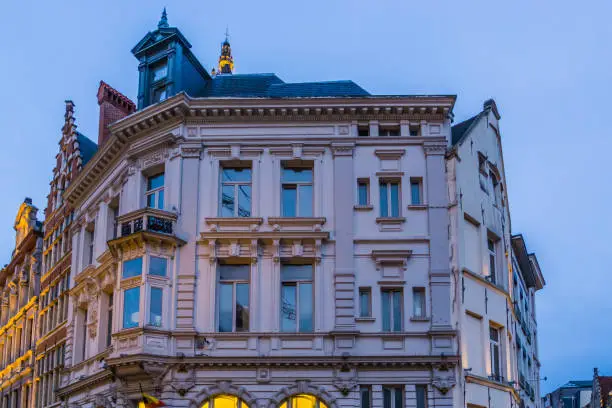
(157,266)
(289,201)
(155,308)
(226,307)
(131,307)
(132,268)
(288,308)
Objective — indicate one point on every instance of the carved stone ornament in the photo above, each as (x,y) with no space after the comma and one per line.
(434,149)
(345,382)
(444,384)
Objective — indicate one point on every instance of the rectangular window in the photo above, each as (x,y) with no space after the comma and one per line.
(421,396)
(235,196)
(389,131)
(418,302)
(109,317)
(297,191)
(132,268)
(83,339)
(492,259)
(157,266)
(393,397)
(90,245)
(389,198)
(131,307)
(159,94)
(415,130)
(392,310)
(296,298)
(365,302)
(416,191)
(494,348)
(365,393)
(363,130)
(363,192)
(159,71)
(233,299)
(155,191)
(155,308)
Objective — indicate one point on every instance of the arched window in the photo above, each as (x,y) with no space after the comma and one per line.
(224,401)
(303,401)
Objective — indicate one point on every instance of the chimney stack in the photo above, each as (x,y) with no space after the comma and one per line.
(113,106)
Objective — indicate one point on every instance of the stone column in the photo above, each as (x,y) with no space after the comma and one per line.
(344,272)
(101,231)
(187,229)
(439,269)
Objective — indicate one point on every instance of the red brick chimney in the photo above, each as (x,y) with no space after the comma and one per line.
(113,106)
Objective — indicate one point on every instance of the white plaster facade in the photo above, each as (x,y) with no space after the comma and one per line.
(351,246)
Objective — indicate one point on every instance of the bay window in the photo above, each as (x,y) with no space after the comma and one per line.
(131,307)
(132,268)
(158,266)
(155,307)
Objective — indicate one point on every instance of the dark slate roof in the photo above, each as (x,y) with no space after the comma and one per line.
(87,146)
(241,85)
(271,86)
(317,89)
(461,129)
(579,383)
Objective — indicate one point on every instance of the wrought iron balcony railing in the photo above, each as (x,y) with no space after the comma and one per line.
(147,219)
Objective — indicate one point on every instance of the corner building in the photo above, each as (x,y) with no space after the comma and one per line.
(240,241)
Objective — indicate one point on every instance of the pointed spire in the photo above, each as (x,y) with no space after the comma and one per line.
(163,21)
(226,61)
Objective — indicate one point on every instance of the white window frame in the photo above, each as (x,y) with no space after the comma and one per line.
(297,185)
(419,303)
(393,291)
(368,313)
(495,350)
(389,183)
(236,185)
(492,259)
(234,283)
(297,283)
(155,191)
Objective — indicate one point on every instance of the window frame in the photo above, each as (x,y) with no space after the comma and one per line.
(150,308)
(422,304)
(365,183)
(297,185)
(492,250)
(236,190)
(423,391)
(365,290)
(136,289)
(388,183)
(418,183)
(297,283)
(390,130)
(392,291)
(394,389)
(155,192)
(365,389)
(495,351)
(234,283)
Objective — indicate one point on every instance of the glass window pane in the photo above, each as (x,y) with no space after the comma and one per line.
(289,201)
(233,272)
(226,301)
(131,307)
(364,303)
(244,201)
(386,311)
(288,308)
(365,397)
(225,401)
(242,307)
(155,308)
(421,396)
(386,397)
(399,403)
(160,199)
(296,272)
(306,307)
(384,203)
(395,200)
(294,175)
(151,200)
(397,311)
(363,194)
(242,174)
(157,266)
(160,72)
(131,268)
(155,181)
(415,190)
(305,201)
(418,302)
(227,201)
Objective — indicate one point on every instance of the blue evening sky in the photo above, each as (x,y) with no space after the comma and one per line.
(548,64)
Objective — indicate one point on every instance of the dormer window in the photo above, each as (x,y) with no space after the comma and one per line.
(159,94)
(159,71)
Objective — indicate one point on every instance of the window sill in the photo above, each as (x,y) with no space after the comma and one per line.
(419,319)
(363,207)
(215,222)
(292,223)
(390,223)
(417,207)
(365,319)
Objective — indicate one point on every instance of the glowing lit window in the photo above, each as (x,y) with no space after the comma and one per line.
(303,401)
(224,401)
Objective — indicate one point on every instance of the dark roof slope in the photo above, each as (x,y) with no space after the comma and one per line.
(271,86)
(317,89)
(87,146)
(461,129)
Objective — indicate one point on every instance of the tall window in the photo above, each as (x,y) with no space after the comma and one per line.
(83,339)
(365,392)
(132,268)
(235,192)
(392,310)
(494,348)
(155,307)
(365,302)
(233,300)
(297,193)
(296,298)
(492,259)
(90,245)
(109,318)
(389,198)
(131,307)
(418,302)
(416,191)
(393,397)
(155,191)
(159,71)
(363,192)
(421,396)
